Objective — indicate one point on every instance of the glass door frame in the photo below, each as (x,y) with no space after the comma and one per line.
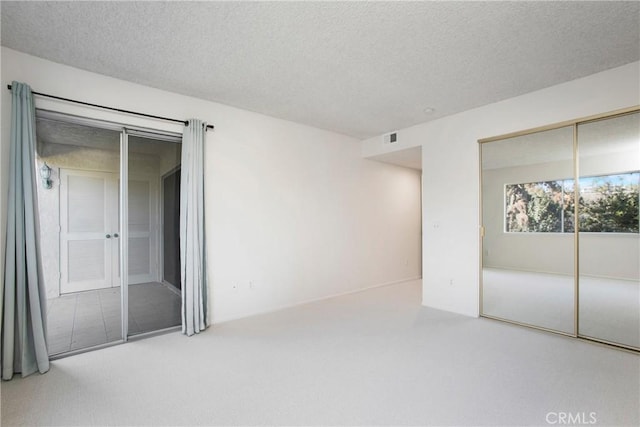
(124,233)
(123,213)
(576,267)
(157,136)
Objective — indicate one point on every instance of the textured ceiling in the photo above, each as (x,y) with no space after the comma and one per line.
(359,68)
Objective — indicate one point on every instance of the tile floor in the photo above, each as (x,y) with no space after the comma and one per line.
(86,319)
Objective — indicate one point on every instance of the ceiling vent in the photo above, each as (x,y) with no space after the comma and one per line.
(390,138)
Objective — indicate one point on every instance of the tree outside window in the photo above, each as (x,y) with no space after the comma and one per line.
(607,204)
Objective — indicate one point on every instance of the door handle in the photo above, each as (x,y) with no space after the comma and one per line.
(108,236)
(115,235)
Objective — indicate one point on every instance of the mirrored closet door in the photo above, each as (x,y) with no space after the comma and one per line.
(528,246)
(609,248)
(560,226)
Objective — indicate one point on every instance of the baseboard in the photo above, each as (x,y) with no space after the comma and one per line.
(312,300)
(524,270)
(593,276)
(172,288)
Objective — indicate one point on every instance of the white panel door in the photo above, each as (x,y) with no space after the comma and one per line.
(143,212)
(90,231)
(87,213)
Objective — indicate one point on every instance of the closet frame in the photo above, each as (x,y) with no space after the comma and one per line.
(574,123)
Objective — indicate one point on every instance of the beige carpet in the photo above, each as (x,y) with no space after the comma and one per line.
(371,358)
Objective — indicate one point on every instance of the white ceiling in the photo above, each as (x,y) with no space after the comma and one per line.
(359,68)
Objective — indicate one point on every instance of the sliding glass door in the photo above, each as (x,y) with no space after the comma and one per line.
(154,300)
(79,218)
(102,241)
(560,227)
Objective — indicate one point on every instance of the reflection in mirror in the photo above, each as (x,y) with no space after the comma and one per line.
(528,244)
(609,243)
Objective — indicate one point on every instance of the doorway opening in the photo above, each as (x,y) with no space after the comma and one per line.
(102,242)
(409,195)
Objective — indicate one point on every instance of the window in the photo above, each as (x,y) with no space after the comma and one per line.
(608,203)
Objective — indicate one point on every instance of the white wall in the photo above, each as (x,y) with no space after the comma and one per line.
(450,165)
(293,210)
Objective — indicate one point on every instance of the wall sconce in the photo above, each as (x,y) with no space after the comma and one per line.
(45,174)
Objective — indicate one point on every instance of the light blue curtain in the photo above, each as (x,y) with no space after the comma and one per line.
(192,245)
(24,347)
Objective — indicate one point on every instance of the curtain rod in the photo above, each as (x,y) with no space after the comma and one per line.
(185,122)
